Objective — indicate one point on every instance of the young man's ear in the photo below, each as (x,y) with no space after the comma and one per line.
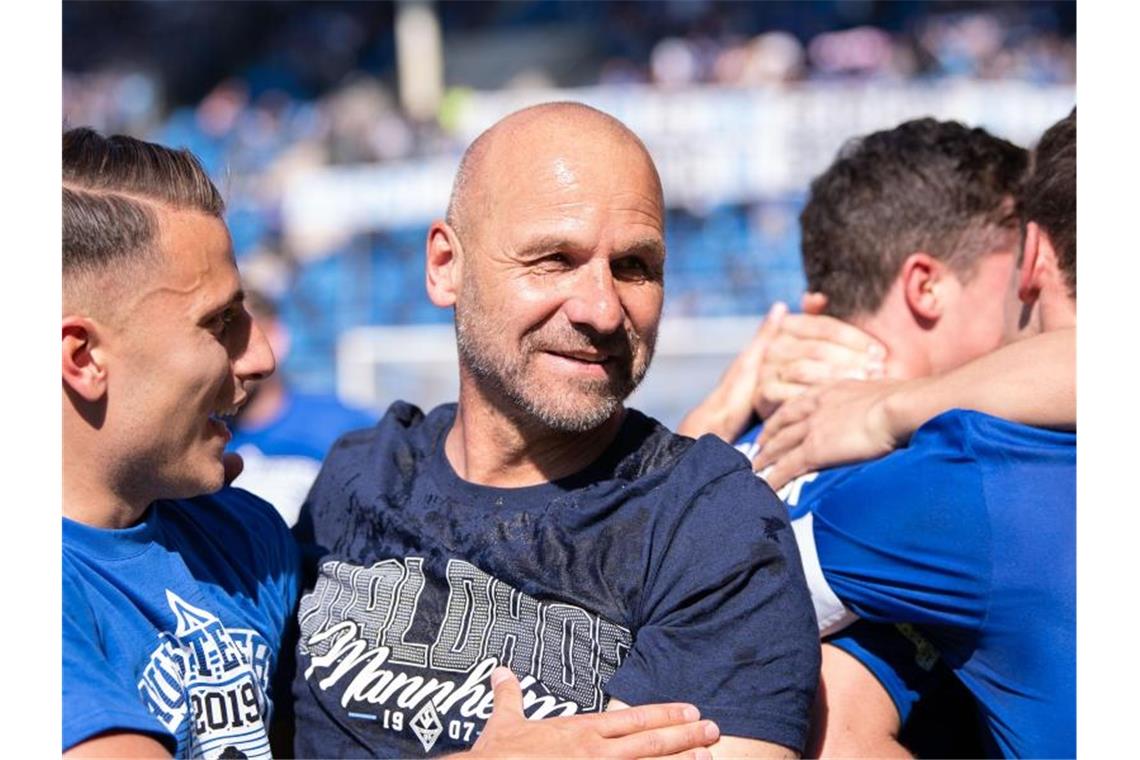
(1038,264)
(924,279)
(84,369)
(444,264)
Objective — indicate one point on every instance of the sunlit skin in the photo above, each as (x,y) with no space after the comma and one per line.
(936,320)
(163,361)
(557,282)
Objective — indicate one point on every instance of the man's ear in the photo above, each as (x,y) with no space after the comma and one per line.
(444,264)
(924,280)
(84,368)
(1038,263)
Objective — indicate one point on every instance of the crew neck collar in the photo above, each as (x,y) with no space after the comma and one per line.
(114,543)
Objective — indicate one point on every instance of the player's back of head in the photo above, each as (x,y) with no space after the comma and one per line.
(1050,195)
(933,186)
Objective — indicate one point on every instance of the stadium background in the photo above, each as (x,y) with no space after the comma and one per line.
(334,129)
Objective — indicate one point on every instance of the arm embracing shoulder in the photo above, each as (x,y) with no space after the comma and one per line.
(1032,381)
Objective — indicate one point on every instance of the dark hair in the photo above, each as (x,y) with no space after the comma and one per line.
(1050,196)
(111,186)
(926,185)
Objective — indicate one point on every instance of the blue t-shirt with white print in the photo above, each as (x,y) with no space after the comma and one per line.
(172,627)
(640,578)
(967,534)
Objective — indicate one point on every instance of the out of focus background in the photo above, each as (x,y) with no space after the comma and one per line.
(334,129)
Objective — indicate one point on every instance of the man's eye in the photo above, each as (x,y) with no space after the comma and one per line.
(554,261)
(223,320)
(632,267)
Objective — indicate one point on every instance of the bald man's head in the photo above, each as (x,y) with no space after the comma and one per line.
(500,153)
(553,256)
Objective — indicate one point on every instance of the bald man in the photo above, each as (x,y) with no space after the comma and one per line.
(538,523)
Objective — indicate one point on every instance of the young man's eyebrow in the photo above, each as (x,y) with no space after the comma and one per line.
(237,297)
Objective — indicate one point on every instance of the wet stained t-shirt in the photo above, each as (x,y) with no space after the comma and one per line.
(664,571)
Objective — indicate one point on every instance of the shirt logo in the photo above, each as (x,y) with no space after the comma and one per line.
(357,646)
(427,726)
(208,685)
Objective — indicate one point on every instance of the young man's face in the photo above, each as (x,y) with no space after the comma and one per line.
(562,289)
(183,347)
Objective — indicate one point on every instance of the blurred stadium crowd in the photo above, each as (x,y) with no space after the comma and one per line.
(268,92)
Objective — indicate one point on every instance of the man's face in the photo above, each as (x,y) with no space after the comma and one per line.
(562,284)
(183,347)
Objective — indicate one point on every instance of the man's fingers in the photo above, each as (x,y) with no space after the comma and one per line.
(749,359)
(773,320)
(787,468)
(788,414)
(232,465)
(630,720)
(813,372)
(820,327)
(772,393)
(780,444)
(662,742)
(508,694)
(788,348)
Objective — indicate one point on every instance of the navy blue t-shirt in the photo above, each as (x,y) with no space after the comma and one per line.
(664,571)
(968,534)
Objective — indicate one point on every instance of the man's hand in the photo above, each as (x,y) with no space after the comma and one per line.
(233,464)
(790,355)
(845,422)
(810,350)
(668,730)
(727,410)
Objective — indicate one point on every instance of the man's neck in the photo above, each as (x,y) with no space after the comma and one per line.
(89,499)
(97,488)
(487,447)
(906,357)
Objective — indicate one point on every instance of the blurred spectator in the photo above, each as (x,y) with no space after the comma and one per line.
(266,92)
(283,435)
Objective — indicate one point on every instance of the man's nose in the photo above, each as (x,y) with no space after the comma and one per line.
(595,301)
(256,360)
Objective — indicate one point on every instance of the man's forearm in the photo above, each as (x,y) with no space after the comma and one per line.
(1032,381)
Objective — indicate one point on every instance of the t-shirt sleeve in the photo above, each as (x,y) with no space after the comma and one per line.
(96,696)
(903,661)
(725,619)
(906,539)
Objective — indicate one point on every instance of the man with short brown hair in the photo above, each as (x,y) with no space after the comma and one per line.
(174,602)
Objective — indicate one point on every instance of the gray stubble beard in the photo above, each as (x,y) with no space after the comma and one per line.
(503,379)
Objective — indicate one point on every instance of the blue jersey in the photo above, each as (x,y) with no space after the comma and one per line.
(172,627)
(630,579)
(282,457)
(797,495)
(967,534)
